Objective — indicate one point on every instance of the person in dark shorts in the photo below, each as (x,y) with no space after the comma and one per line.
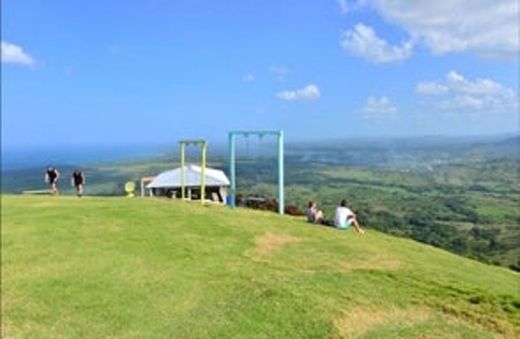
(78,181)
(51,177)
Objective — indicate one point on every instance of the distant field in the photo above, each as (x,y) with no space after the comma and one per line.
(152,268)
(481,222)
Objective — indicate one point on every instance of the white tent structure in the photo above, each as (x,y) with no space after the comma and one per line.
(168,183)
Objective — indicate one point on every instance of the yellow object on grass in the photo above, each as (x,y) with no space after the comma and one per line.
(130,189)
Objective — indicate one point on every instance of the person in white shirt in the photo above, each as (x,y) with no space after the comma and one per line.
(344,218)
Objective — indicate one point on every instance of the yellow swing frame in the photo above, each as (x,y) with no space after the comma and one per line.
(203,147)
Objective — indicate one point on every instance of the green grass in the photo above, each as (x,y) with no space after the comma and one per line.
(146,268)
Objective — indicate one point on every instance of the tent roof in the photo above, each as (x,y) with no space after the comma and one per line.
(172,178)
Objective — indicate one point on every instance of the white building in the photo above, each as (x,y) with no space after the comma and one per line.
(168,183)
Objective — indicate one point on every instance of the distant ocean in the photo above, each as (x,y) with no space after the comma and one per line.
(20,158)
(349,152)
(24,158)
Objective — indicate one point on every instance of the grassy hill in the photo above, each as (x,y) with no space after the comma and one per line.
(146,268)
(458,194)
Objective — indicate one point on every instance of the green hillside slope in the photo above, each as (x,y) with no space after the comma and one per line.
(146,268)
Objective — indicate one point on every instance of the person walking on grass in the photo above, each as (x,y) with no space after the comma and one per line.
(78,181)
(51,177)
(344,218)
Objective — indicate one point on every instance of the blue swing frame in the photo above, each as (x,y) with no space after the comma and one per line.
(232,165)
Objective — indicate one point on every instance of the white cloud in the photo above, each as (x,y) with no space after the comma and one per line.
(430,88)
(248,78)
(379,108)
(483,27)
(343,6)
(13,54)
(462,102)
(461,95)
(363,41)
(280,72)
(479,86)
(309,92)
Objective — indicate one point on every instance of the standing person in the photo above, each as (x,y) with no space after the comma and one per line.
(51,177)
(314,215)
(344,218)
(78,181)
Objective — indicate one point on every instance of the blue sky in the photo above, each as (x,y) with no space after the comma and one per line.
(116,72)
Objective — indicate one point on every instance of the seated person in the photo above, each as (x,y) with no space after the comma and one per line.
(314,215)
(344,218)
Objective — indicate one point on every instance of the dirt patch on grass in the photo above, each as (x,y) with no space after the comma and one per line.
(4,332)
(378,261)
(356,322)
(269,243)
(418,321)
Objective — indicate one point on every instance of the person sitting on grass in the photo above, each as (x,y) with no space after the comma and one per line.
(344,218)
(314,215)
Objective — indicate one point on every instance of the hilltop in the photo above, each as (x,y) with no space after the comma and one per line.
(459,194)
(149,268)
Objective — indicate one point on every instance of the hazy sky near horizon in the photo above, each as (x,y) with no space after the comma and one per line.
(111,72)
